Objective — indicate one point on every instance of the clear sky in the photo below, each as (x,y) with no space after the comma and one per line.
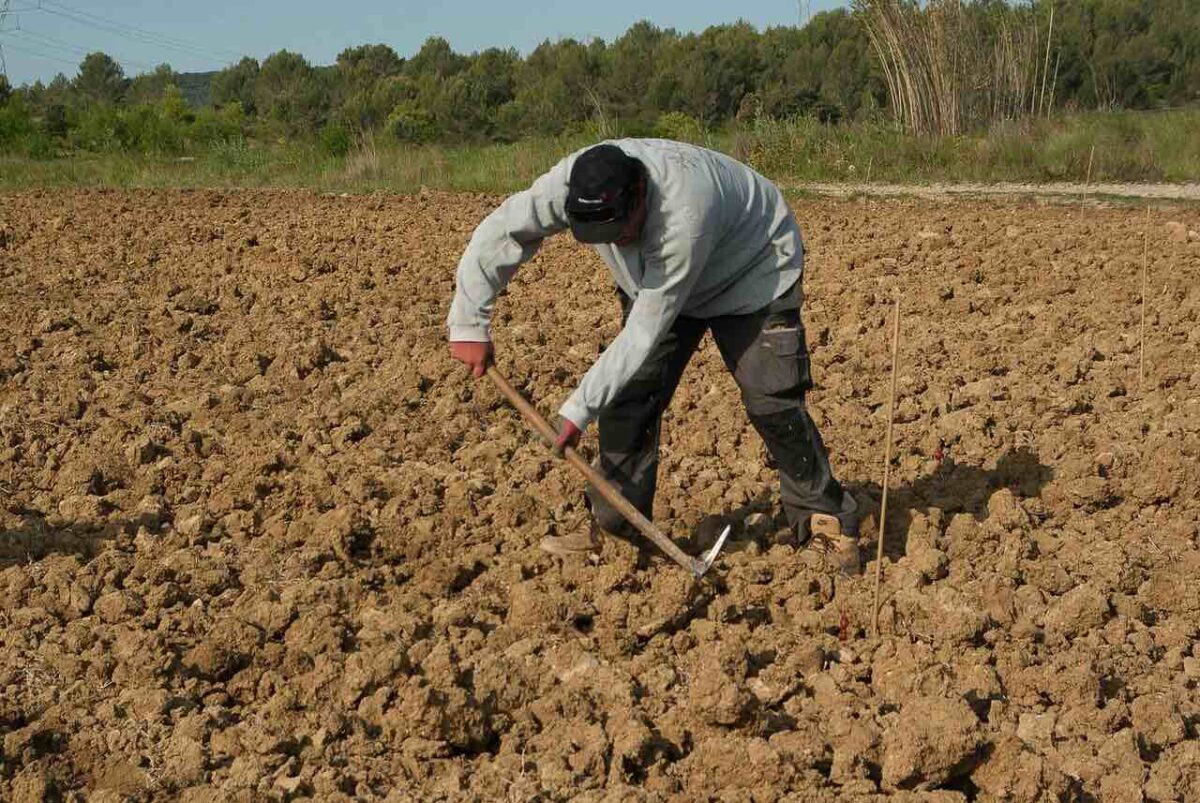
(43,37)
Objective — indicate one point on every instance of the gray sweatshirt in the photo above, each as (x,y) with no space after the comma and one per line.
(719,239)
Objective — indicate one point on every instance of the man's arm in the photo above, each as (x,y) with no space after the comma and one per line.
(505,239)
(671,267)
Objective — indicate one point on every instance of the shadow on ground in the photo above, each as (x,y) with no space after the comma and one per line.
(952,487)
(35,538)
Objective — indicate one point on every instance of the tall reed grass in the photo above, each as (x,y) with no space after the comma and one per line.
(953,65)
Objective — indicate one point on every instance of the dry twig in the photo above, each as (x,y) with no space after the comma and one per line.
(1142,335)
(887,470)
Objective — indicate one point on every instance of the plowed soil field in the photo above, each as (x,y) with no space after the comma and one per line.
(262,540)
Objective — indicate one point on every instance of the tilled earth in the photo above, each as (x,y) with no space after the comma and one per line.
(262,540)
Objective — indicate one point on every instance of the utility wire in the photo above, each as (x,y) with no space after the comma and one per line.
(105,24)
(123,34)
(143,32)
(52,42)
(117,26)
(38,54)
(133,33)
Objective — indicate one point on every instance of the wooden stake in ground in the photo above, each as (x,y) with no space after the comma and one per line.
(1087,182)
(1142,335)
(887,469)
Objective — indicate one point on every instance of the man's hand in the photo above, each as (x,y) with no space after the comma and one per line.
(568,435)
(477,356)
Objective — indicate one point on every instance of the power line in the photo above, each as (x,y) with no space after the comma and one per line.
(38,54)
(164,37)
(132,30)
(44,40)
(118,32)
(133,33)
(48,40)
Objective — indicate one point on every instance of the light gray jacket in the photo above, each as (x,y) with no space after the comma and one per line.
(719,240)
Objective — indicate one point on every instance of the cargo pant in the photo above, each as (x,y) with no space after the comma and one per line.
(768,356)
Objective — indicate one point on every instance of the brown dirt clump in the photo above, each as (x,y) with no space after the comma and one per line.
(260,540)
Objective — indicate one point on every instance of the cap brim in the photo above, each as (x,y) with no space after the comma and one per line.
(596,233)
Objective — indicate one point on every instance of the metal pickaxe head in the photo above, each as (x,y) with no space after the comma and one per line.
(703,564)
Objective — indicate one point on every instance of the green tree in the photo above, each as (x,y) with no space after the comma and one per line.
(556,89)
(466,106)
(150,87)
(236,84)
(363,73)
(289,91)
(494,75)
(366,65)
(100,79)
(826,68)
(59,92)
(629,73)
(716,70)
(435,58)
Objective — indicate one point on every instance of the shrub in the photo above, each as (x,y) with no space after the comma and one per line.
(16,126)
(409,122)
(150,129)
(335,139)
(679,126)
(215,126)
(97,128)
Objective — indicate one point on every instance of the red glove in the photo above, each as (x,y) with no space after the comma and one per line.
(568,435)
(478,356)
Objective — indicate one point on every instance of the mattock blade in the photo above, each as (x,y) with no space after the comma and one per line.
(706,562)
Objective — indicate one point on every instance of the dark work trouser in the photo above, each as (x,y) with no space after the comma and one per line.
(767,354)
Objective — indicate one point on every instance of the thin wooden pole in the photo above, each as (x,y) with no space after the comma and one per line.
(887,469)
(1087,182)
(607,489)
(1142,335)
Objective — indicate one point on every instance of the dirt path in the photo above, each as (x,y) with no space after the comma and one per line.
(1173,192)
(261,541)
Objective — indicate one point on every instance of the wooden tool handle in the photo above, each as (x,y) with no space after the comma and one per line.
(606,489)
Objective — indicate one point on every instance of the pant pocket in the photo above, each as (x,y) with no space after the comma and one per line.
(777,363)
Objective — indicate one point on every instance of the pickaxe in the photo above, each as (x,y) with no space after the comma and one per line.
(697,566)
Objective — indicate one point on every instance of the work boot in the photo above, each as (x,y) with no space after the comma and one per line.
(580,541)
(840,550)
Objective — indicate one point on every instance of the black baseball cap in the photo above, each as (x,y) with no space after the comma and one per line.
(601,193)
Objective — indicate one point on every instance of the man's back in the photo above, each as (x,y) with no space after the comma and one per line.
(714,238)
(756,250)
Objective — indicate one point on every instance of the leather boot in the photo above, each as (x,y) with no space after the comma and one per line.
(840,550)
(581,541)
